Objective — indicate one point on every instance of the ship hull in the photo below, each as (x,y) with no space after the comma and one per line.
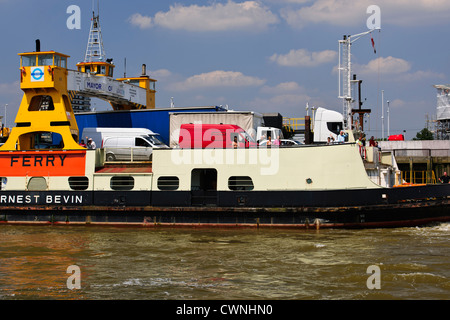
(395,207)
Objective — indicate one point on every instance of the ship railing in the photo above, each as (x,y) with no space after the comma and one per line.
(376,155)
(418,177)
(127,154)
(294,124)
(425,153)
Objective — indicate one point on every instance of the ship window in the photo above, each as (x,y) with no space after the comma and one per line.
(168,183)
(63,62)
(29,61)
(335,127)
(45,60)
(122,183)
(37,184)
(78,183)
(57,60)
(240,183)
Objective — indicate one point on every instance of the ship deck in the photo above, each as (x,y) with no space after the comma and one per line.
(144,167)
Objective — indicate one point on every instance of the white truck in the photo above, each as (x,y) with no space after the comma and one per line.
(327,123)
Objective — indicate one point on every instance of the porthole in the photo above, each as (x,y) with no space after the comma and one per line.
(168,183)
(240,183)
(122,183)
(78,183)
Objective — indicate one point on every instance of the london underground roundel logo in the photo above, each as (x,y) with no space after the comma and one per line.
(37,74)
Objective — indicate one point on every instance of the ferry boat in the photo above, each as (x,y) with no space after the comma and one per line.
(304,186)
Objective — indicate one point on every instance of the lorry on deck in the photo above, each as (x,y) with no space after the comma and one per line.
(327,123)
(218,136)
(247,120)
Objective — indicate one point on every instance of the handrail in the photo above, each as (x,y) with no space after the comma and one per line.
(294,124)
(421,152)
(419,177)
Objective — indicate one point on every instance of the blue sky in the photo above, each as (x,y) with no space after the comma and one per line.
(265,56)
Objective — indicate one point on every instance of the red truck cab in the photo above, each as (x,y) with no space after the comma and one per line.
(218,136)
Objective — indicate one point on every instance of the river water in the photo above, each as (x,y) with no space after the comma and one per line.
(223,264)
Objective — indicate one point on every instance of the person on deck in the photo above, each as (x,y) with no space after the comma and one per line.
(445,178)
(90,143)
(341,137)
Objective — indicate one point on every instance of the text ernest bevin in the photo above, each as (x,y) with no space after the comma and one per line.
(38,199)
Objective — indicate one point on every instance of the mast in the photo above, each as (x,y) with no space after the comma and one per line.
(345,71)
(95,51)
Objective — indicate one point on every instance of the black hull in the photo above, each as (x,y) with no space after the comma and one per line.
(396,207)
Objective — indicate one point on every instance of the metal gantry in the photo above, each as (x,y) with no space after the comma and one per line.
(95,51)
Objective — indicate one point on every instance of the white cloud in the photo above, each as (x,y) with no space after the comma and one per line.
(396,68)
(304,58)
(388,65)
(248,15)
(141,21)
(160,73)
(218,78)
(352,13)
(325,11)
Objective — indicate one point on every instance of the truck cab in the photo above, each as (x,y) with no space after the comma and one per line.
(218,136)
(327,123)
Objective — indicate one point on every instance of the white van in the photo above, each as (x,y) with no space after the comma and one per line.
(125,144)
(263,134)
(99,134)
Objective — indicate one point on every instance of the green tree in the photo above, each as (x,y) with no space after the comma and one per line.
(424,134)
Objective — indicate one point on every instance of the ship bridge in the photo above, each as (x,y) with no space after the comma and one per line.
(94,79)
(47,84)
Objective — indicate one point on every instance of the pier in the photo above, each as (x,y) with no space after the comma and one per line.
(423,160)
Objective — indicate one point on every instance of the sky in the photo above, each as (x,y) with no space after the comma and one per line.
(263,55)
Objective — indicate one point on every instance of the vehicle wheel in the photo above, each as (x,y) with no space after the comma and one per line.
(110,157)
